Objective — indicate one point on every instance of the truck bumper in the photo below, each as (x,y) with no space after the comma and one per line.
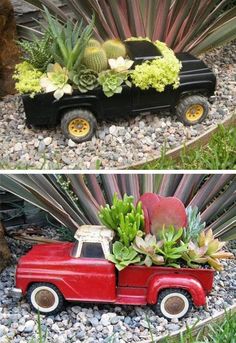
(16,293)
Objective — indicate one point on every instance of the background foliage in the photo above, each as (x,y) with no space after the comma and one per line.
(76,199)
(184,25)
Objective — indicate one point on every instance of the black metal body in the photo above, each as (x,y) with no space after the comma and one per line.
(195,78)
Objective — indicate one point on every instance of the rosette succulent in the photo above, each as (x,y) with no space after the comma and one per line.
(148,246)
(111,82)
(120,64)
(56,80)
(207,249)
(123,256)
(86,80)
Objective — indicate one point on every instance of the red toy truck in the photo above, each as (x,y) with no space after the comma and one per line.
(49,274)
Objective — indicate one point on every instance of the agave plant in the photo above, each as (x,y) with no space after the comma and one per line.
(174,21)
(76,199)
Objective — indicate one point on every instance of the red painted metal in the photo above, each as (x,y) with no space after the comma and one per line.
(96,280)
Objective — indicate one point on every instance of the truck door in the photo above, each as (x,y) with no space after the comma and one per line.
(95,277)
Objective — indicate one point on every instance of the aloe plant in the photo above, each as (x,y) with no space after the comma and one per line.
(174,21)
(75,200)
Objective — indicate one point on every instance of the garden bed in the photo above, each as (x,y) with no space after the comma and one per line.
(117,144)
(102,323)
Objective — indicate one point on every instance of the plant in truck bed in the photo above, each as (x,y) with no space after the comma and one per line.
(161,232)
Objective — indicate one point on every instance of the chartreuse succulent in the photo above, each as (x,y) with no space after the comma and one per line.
(37,52)
(147,246)
(85,80)
(56,80)
(206,249)
(123,256)
(27,79)
(114,48)
(95,58)
(159,72)
(123,217)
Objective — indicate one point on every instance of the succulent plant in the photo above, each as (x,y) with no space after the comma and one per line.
(93,43)
(194,226)
(86,80)
(162,212)
(111,82)
(147,246)
(123,256)
(56,80)
(172,247)
(37,52)
(123,217)
(27,79)
(95,58)
(120,64)
(207,249)
(114,48)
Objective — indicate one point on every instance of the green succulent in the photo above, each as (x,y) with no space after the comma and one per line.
(123,256)
(38,52)
(195,226)
(86,80)
(123,217)
(111,82)
(148,246)
(172,248)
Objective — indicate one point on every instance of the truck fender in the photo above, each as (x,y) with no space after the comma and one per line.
(185,282)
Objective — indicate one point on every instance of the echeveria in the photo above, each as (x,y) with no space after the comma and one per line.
(120,64)
(86,80)
(56,80)
(123,256)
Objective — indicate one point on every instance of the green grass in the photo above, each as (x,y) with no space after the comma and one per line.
(221,332)
(219,154)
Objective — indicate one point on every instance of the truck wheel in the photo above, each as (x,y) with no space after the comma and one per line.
(193,109)
(173,303)
(45,298)
(78,125)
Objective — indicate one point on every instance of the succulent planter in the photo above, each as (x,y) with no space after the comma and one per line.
(50,274)
(78,113)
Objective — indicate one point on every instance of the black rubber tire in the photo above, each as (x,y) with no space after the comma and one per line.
(188,101)
(61,300)
(169,291)
(82,114)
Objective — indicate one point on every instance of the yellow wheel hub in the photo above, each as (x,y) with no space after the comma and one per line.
(194,112)
(79,127)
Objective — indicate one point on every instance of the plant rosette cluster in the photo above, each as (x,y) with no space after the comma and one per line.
(67,58)
(172,246)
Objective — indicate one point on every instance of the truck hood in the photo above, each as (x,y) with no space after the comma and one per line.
(50,253)
(191,64)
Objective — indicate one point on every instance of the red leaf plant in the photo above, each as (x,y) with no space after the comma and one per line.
(162,211)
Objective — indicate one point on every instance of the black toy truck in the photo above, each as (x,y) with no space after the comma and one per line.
(78,114)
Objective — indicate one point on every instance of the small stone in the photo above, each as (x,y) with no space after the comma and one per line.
(114,130)
(55,328)
(71,143)
(29,326)
(47,140)
(41,147)
(94,321)
(18,147)
(3,330)
(105,319)
(172,327)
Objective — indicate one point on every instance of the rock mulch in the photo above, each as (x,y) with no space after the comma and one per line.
(117,143)
(91,323)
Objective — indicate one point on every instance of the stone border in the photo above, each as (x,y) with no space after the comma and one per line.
(201,141)
(195,328)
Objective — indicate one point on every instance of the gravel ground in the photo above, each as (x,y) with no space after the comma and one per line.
(116,144)
(101,323)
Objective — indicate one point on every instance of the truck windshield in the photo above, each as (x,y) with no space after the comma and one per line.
(89,249)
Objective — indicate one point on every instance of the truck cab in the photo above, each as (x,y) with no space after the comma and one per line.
(50,274)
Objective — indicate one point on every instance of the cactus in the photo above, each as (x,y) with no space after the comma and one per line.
(95,59)
(114,48)
(93,43)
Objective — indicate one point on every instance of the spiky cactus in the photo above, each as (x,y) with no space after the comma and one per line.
(95,59)
(114,48)
(93,43)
